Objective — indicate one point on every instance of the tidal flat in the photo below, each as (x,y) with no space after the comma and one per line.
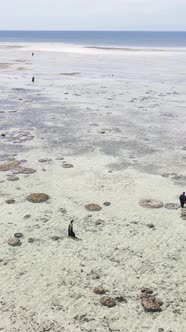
(95,127)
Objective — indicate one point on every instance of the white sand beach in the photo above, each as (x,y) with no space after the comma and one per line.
(118,119)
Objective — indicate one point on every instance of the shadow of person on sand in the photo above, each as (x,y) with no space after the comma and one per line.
(76,238)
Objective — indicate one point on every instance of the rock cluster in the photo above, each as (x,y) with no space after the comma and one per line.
(149,301)
(108,301)
(10,165)
(19,136)
(15,167)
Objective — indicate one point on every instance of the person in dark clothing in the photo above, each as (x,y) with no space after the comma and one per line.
(182,199)
(70,230)
(33,79)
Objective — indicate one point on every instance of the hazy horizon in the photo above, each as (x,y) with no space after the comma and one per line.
(65,30)
(79,15)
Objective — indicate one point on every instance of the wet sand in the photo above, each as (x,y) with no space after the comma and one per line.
(120,122)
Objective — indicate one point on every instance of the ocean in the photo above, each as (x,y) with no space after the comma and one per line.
(98,38)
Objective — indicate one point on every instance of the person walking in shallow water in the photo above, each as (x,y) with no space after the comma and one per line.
(70,230)
(182,199)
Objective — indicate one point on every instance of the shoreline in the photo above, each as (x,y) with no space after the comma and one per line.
(69,47)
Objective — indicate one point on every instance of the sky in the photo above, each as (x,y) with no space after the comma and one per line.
(160,15)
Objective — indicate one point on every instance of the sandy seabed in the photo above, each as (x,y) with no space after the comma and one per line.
(119,120)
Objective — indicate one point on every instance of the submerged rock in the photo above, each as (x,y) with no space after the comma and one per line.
(12,178)
(107,203)
(165,175)
(62,210)
(38,197)
(176,177)
(59,158)
(31,240)
(56,238)
(183,214)
(146,290)
(151,226)
(14,242)
(10,165)
(99,222)
(70,74)
(18,235)
(149,301)
(99,290)
(67,166)
(27,216)
(24,170)
(151,203)
(93,207)
(10,201)
(172,206)
(107,301)
(120,298)
(44,160)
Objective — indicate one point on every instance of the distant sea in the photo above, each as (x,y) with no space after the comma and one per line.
(98,38)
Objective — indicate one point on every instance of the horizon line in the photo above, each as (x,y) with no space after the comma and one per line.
(41,30)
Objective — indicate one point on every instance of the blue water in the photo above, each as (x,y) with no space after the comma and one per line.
(99,38)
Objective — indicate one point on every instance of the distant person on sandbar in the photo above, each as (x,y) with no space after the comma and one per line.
(33,79)
(32,54)
(70,230)
(182,199)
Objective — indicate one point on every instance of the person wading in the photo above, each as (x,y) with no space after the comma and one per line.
(70,230)
(182,199)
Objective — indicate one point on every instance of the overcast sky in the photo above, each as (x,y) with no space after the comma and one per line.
(93,15)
